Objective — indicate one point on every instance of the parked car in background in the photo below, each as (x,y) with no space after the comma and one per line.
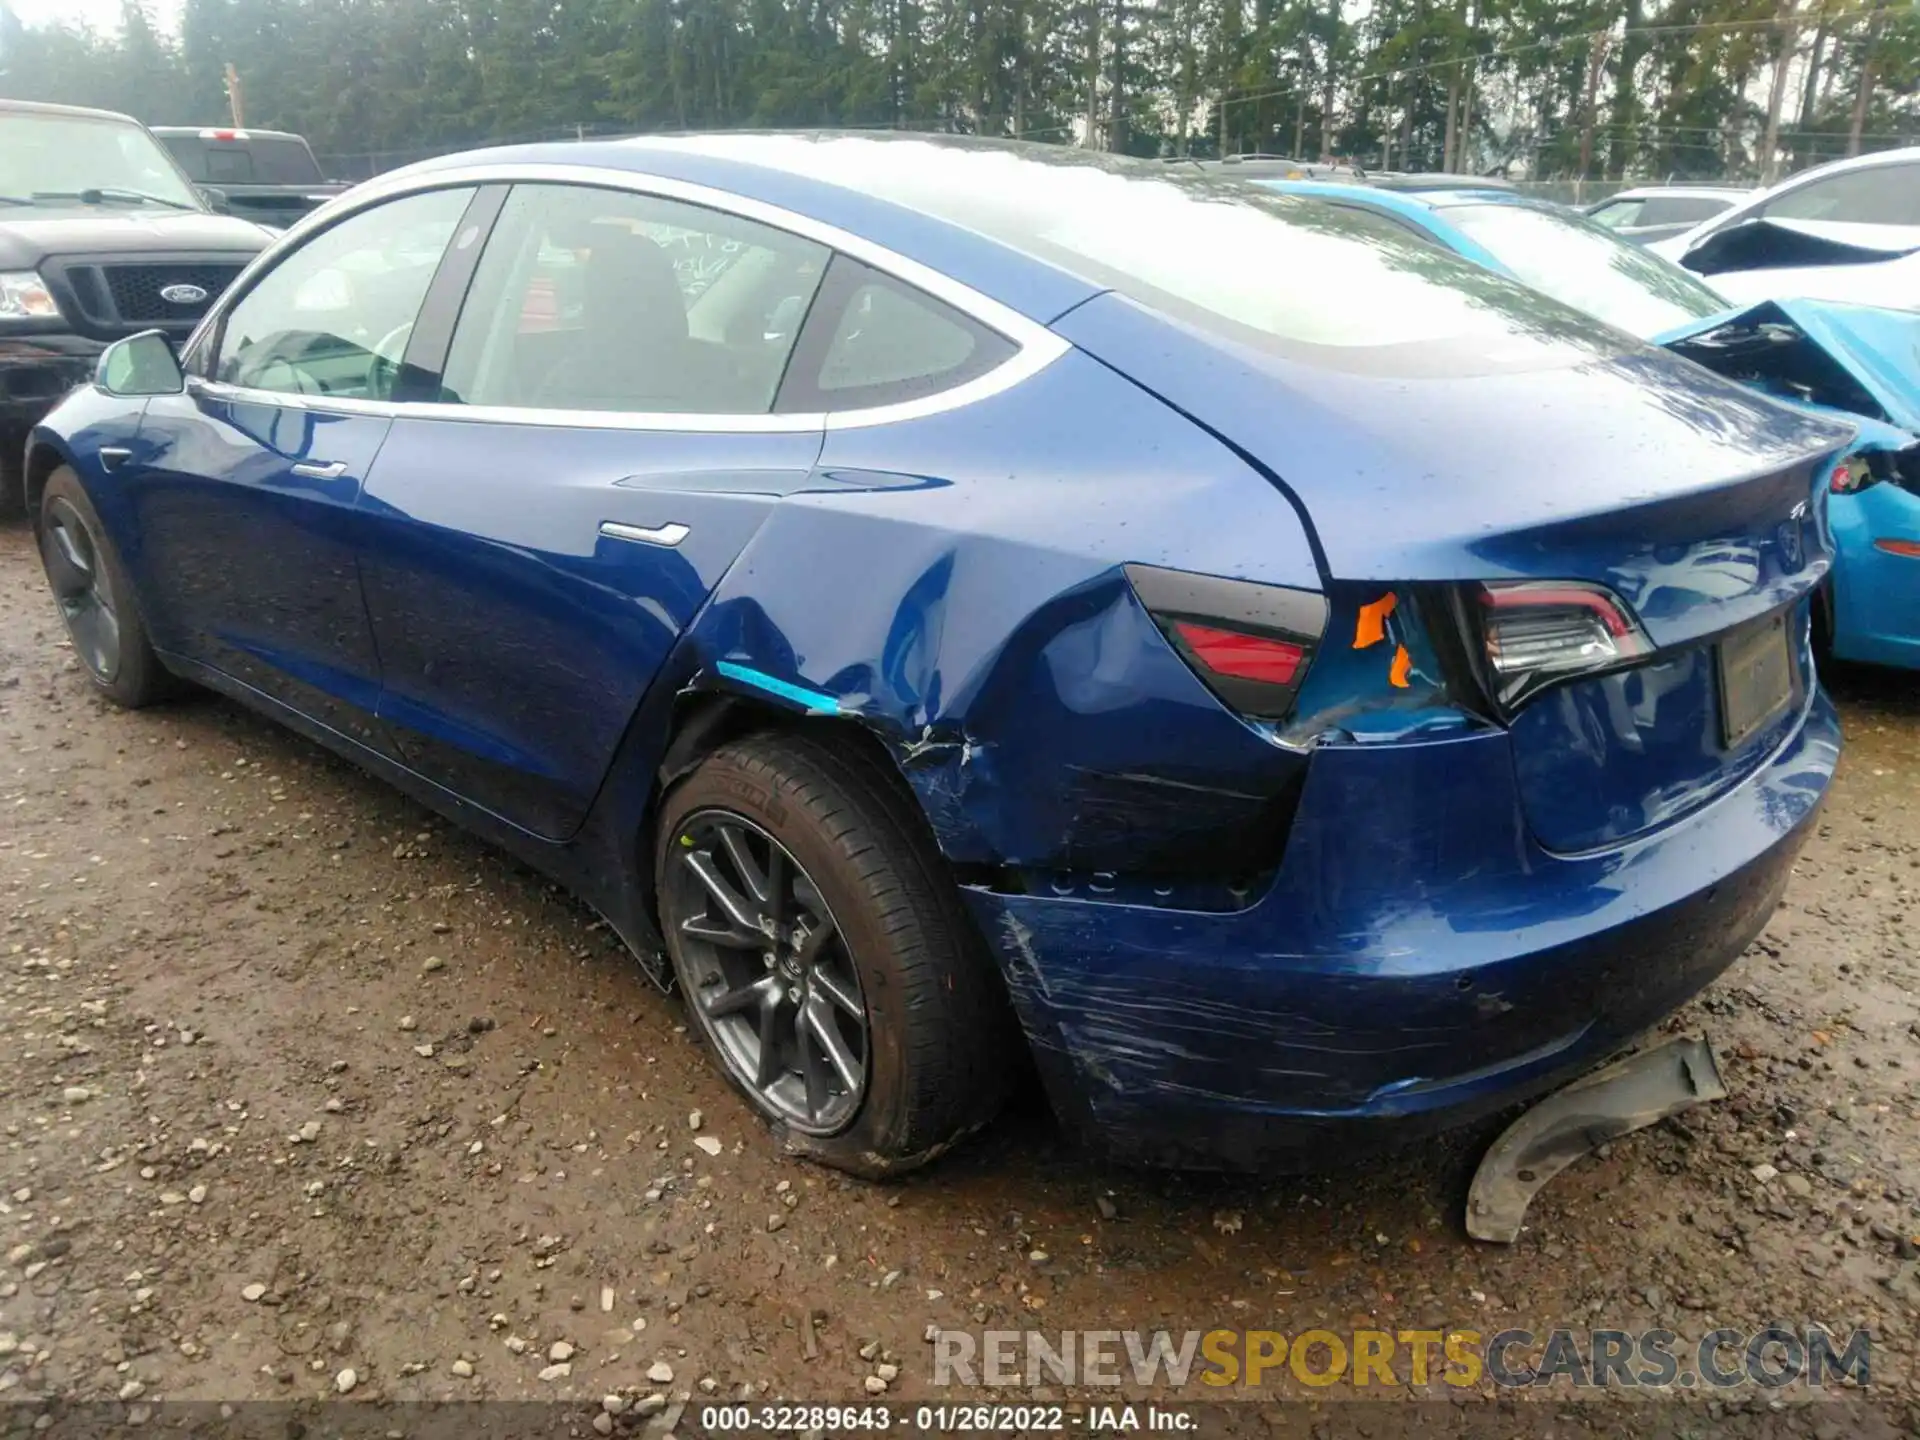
(1276,167)
(101,235)
(1294,713)
(1847,231)
(1648,213)
(267,176)
(1430,180)
(1860,362)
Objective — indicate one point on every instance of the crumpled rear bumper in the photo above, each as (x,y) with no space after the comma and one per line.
(1419,961)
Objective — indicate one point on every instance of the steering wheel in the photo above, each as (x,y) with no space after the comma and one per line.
(281,375)
(383,368)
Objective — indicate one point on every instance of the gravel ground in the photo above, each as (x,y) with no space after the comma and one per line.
(304,1093)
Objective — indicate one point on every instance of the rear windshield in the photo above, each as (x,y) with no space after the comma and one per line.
(1589,267)
(258,160)
(1279,271)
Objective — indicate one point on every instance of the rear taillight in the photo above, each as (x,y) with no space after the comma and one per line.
(1250,644)
(1240,656)
(1851,475)
(1539,631)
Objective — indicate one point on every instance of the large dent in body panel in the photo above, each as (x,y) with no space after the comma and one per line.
(1090,746)
(977,618)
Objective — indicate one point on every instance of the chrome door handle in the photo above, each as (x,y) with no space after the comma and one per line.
(669,535)
(112,457)
(313,470)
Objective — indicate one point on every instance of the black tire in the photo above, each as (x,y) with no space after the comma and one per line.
(87,577)
(13,478)
(938,1036)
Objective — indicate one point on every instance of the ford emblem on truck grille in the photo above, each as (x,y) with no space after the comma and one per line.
(183,294)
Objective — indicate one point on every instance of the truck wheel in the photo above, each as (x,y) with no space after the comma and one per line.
(13,478)
(824,955)
(96,601)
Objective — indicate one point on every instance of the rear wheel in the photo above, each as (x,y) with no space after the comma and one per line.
(824,956)
(96,602)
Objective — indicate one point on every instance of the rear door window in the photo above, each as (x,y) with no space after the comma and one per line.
(873,340)
(1680,209)
(191,153)
(282,160)
(225,165)
(1875,195)
(1618,214)
(257,160)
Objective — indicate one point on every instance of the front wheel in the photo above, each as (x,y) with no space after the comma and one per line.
(824,956)
(96,601)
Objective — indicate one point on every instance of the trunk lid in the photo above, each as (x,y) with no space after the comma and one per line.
(1566,451)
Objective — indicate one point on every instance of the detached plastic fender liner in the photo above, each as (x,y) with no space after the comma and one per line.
(1629,1095)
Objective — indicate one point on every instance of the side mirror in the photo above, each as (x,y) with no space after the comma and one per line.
(216,199)
(142,364)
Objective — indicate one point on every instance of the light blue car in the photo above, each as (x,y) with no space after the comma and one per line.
(1855,359)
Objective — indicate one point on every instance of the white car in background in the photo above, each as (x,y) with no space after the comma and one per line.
(1648,213)
(1846,231)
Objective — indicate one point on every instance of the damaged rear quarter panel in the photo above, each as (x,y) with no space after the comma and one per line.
(1030,701)
(1417,961)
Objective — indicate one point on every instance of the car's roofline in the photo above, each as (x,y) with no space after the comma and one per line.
(1453,199)
(1027,283)
(1037,346)
(1680,192)
(67,112)
(1406,201)
(1906,154)
(214,132)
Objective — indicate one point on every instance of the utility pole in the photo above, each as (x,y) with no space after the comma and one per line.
(236,98)
(1863,91)
(1326,81)
(1770,144)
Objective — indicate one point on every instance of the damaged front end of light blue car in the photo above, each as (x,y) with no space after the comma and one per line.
(1862,364)
(1860,361)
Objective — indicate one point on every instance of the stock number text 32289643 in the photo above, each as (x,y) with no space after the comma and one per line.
(928,1419)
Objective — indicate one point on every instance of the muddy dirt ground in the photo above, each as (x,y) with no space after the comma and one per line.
(295,1081)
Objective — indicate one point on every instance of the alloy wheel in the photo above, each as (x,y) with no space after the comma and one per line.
(767,971)
(78,576)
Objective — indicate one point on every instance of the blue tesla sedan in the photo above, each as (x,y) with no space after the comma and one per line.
(947,602)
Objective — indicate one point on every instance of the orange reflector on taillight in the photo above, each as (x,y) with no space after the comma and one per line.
(1371,626)
(1909,548)
(1402,667)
